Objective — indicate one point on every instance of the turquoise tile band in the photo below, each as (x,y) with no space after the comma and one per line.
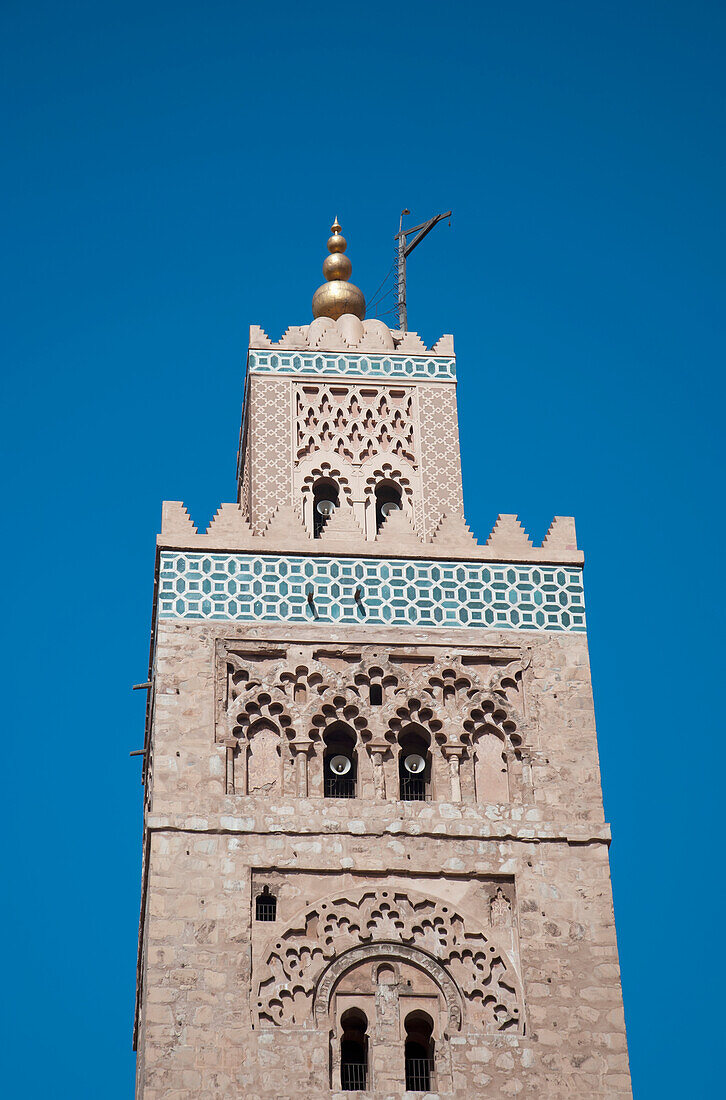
(276,588)
(426,368)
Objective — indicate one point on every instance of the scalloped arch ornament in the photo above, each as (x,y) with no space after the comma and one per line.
(471,967)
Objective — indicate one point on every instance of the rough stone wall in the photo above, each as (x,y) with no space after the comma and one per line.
(498,909)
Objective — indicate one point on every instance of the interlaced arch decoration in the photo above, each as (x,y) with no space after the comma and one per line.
(304,681)
(243,678)
(485,713)
(377,473)
(326,468)
(270,704)
(365,674)
(355,422)
(410,710)
(474,728)
(334,706)
(471,966)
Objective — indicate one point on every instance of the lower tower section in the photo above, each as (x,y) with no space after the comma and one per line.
(309,931)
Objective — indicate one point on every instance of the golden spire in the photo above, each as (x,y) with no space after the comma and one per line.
(337,296)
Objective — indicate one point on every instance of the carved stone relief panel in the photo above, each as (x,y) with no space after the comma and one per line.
(358,437)
(463,712)
(389,943)
(356,422)
(440,459)
(269,456)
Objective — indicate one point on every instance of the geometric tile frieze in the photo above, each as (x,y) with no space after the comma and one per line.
(291,588)
(427,368)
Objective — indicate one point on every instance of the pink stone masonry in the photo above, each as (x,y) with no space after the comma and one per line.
(375,856)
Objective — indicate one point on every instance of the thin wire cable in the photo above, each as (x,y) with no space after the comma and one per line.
(383,280)
(381,298)
(382,283)
(377,312)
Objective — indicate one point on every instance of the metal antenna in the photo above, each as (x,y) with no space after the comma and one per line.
(404,251)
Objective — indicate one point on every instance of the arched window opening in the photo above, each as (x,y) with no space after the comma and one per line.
(354,1051)
(375,696)
(419,1051)
(388,499)
(325,500)
(414,765)
(339,762)
(265,905)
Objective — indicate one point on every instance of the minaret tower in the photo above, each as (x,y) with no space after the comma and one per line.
(375,857)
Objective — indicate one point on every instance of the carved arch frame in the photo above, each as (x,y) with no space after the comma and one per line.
(325,465)
(379,469)
(382,951)
(459,933)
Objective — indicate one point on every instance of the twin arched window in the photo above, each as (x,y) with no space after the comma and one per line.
(326,498)
(418,1052)
(340,764)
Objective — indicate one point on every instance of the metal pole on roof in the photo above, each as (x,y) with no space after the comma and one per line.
(404,250)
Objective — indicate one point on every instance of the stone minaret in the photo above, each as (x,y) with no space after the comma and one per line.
(375,857)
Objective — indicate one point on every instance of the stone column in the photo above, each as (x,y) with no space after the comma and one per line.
(301,747)
(335,1060)
(527,782)
(369,517)
(453,754)
(377,750)
(231,744)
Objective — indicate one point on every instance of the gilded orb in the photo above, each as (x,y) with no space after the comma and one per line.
(337,266)
(335,298)
(337,243)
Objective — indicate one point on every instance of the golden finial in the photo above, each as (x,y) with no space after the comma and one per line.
(337,296)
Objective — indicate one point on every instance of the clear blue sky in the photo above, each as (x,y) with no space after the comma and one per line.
(171,171)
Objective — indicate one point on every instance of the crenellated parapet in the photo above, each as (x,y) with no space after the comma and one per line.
(343,535)
(348,332)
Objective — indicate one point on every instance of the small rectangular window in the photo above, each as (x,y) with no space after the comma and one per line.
(265,905)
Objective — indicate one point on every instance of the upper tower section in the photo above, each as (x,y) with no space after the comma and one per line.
(349,503)
(346,421)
